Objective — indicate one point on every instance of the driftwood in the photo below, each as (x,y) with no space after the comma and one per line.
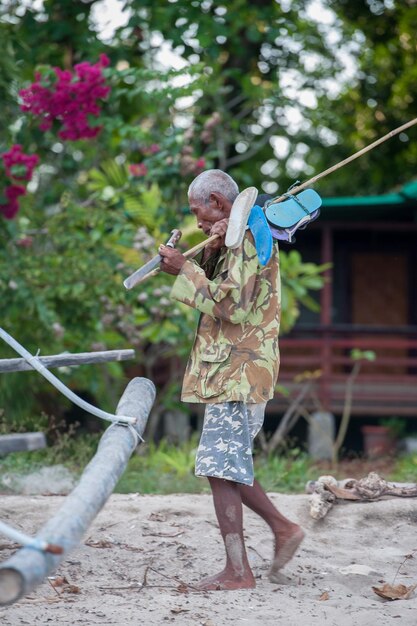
(325,491)
(67,359)
(321,499)
(28,567)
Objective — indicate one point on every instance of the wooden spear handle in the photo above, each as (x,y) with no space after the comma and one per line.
(193,251)
(188,253)
(392,133)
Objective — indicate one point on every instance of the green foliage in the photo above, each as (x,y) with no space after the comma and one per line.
(405,469)
(378,98)
(168,468)
(163,468)
(252,94)
(73,452)
(396,425)
(97,209)
(68,283)
(298,280)
(285,473)
(362,355)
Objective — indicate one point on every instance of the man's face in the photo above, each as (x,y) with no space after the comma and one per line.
(208,214)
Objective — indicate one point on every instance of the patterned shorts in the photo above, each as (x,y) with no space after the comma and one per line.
(225,449)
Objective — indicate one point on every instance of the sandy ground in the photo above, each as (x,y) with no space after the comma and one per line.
(134,558)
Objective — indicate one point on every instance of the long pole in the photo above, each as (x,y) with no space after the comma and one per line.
(28,567)
(352,157)
(67,359)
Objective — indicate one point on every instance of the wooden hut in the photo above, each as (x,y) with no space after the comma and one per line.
(369,302)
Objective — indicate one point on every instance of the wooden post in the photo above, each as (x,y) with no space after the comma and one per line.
(21,442)
(28,567)
(326,319)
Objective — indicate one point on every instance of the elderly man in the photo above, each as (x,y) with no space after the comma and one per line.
(233,368)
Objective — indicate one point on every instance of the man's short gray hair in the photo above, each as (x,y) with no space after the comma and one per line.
(213,180)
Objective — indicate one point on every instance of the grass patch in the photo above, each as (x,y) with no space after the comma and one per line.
(162,469)
(167,468)
(405,469)
(285,473)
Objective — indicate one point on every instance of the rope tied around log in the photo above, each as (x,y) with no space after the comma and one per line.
(29,542)
(137,438)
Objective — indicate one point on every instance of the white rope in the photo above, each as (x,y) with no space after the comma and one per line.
(136,437)
(19,537)
(39,367)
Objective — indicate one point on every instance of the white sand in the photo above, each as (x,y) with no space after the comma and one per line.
(175,537)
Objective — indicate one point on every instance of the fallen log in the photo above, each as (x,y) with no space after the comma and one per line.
(21,442)
(67,359)
(29,567)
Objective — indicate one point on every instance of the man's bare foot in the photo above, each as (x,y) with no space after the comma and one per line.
(227,581)
(286,547)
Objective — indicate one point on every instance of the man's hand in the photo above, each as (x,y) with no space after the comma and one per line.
(172,260)
(219,228)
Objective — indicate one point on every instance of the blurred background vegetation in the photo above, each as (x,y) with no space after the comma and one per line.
(270,91)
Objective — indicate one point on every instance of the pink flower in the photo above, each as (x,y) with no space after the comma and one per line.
(69,98)
(12,192)
(104,60)
(19,165)
(25,242)
(138,169)
(9,210)
(152,149)
(190,165)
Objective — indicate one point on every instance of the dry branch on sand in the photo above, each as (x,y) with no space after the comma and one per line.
(326,490)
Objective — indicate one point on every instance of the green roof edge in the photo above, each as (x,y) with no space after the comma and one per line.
(407,192)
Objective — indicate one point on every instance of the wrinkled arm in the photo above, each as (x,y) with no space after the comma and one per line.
(230,295)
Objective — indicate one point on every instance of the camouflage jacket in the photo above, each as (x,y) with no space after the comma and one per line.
(235,355)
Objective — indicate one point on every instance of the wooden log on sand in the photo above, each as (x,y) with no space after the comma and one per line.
(28,567)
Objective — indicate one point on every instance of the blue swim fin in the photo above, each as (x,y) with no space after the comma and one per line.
(261,232)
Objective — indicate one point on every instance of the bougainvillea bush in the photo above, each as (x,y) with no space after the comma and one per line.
(68,98)
(86,200)
(94,177)
(16,170)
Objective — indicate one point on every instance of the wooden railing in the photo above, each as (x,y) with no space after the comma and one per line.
(385,386)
